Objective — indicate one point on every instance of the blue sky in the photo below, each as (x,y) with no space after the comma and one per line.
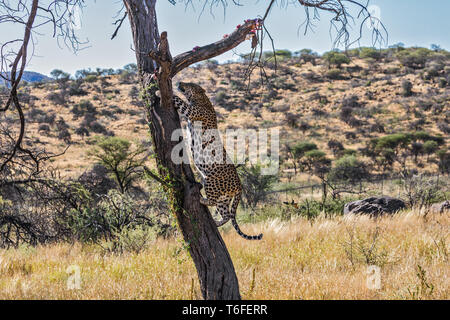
(413,22)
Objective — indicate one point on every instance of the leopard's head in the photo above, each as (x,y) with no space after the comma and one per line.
(191,90)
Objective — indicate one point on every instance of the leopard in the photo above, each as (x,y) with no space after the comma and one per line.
(219,176)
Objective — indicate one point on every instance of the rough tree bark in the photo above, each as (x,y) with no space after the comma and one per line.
(214,266)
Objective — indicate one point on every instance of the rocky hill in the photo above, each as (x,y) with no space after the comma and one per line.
(31,76)
(383,107)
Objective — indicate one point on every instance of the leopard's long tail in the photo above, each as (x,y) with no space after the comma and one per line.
(234,206)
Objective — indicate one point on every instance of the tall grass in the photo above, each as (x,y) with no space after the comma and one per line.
(321,258)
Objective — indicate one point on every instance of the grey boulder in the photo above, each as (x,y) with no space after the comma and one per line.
(374,206)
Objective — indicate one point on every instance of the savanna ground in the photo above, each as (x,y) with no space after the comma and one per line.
(325,258)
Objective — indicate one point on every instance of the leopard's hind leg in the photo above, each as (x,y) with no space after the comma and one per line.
(223,209)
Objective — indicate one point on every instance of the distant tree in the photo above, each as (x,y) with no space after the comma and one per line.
(307,55)
(444,161)
(131,67)
(61,77)
(416,149)
(256,186)
(317,163)
(123,162)
(436,48)
(430,147)
(299,150)
(83,73)
(58,74)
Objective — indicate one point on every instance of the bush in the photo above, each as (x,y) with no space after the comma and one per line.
(76,90)
(291,119)
(111,222)
(255,185)
(407,88)
(370,53)
(221,97)
(127,77)
(44,127)
(65,136)
(336,58)
(311,208)
(307,55)
(83,108)
(415,58)
(57,98)
(335,146)
(334,74)
(348,169)
(90,78)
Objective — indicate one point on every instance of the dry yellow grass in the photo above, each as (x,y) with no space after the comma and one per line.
(299,259)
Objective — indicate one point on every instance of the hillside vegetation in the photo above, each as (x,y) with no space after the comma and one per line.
(386,107)
(362,123)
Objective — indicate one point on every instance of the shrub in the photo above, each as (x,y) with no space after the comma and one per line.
(346,113)
(348,169)
(97,127)
(221,97)
(127,77)
(334,74)
(291,119)
(65,136)
(304,126)
(90,78)
(82,131)
(334,58)
(76,90)
(57,98)
(352,102)
(256,185)
(407,88)
(415,58)
(44,127)
(83,108)
(307,55)
(370,53)
(335,146)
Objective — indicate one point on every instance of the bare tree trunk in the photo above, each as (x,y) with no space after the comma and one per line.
(213,263)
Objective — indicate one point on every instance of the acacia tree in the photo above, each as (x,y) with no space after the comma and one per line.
(156,68)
